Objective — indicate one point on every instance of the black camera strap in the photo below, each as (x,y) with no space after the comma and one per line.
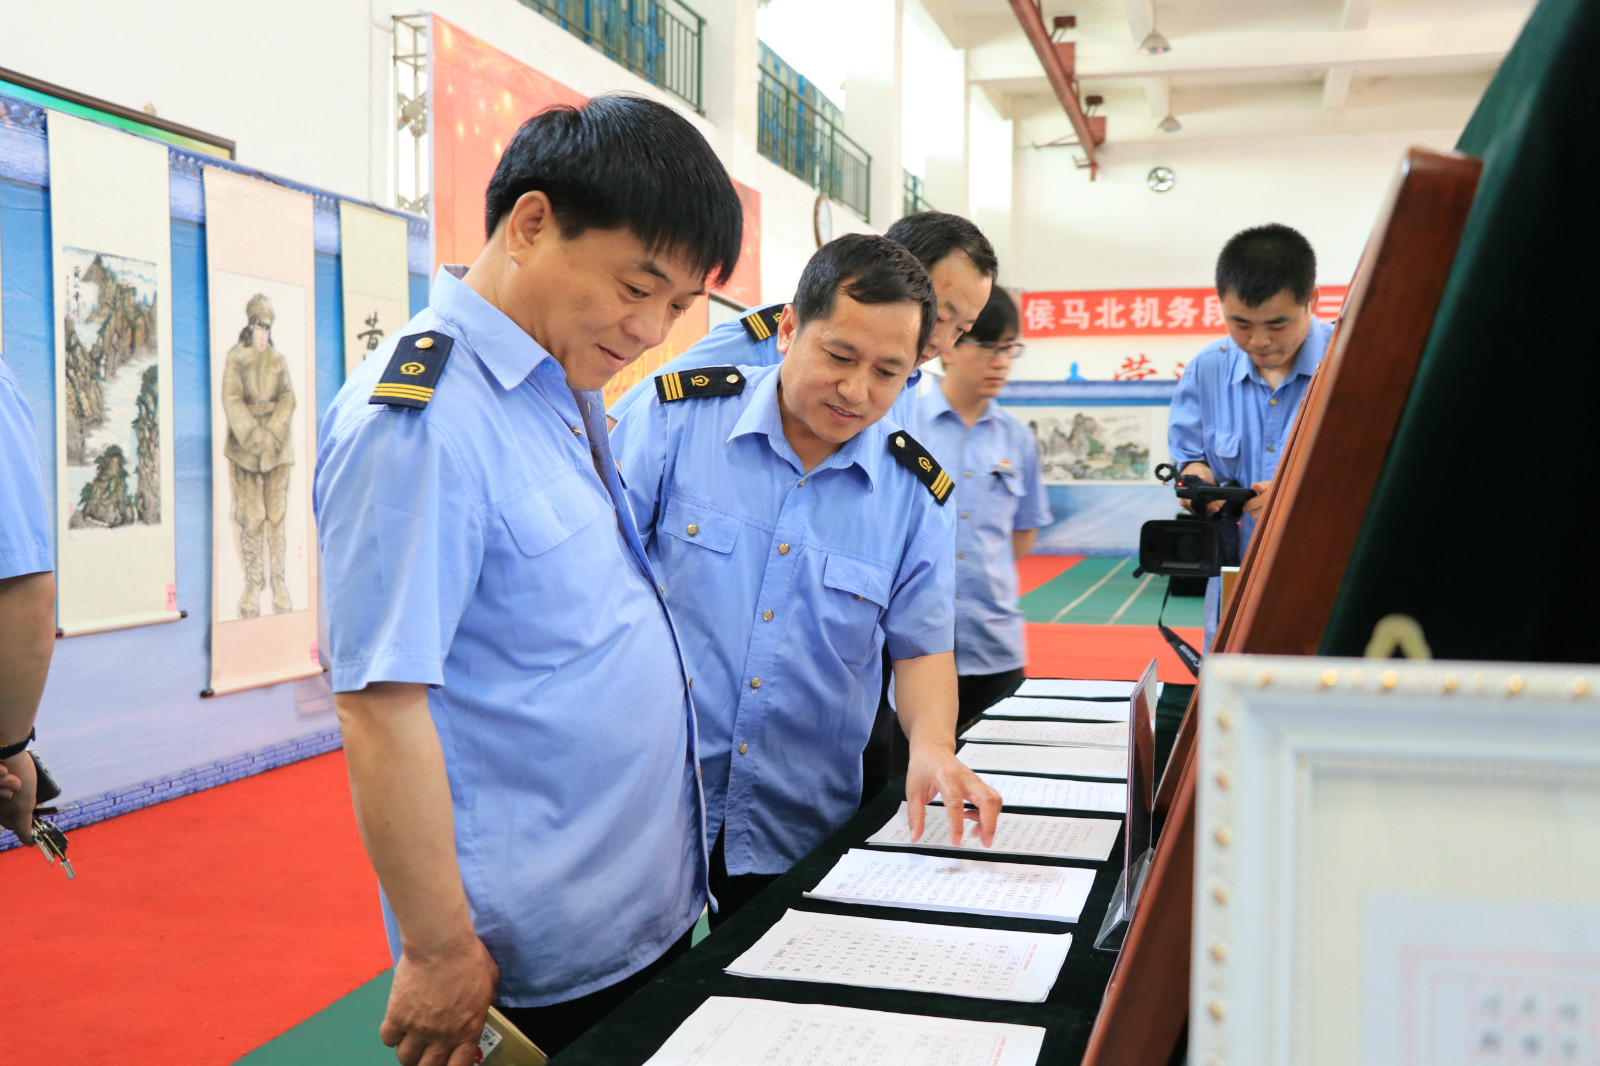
(1183,648)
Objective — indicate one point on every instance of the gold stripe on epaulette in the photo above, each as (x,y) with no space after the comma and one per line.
(672,386)
(942,485)
(409,392)
(758,326)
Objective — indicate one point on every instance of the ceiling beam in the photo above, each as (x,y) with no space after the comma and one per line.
(1465,44)
(1158,94)
(1356,14)
(1336,87)
(1142,17)
(1061,81)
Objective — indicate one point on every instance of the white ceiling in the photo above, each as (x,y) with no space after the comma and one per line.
(1241,69)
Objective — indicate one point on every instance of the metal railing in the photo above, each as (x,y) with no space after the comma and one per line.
(659,40)
(915,201)
(794,134)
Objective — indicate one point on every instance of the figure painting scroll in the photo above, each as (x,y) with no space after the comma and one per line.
(262,282)
(111,238)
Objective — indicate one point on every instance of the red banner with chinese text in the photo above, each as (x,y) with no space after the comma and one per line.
(1116,312)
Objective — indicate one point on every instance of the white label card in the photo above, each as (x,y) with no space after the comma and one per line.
(875,953)
(1058,795)
(1065,734)
(1061,688)
(1016,758)
(1083,710)
(970,886)
(728,1031)
(1045,835)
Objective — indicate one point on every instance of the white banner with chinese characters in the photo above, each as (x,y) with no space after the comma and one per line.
(1128,334)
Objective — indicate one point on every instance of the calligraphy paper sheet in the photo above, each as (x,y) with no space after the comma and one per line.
(728,1031)
(1058,795)
(966,886)
(1044,835)
(1062,688)
(1066,734)
(875,953)
(1089,710)
(1020,759)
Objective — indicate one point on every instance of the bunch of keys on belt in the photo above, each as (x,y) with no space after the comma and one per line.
(47,835)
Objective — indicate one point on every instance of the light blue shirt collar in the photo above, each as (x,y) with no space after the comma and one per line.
(509,353)
(763,417)
(938,405)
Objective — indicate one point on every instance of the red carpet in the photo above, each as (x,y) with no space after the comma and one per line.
(196,930)
(1106,652)
(1035,570)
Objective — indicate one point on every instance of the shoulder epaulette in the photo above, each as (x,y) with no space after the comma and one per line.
(763,323)
(915,458)
(415,366)
(696,384)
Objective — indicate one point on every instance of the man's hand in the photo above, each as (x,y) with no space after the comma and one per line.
(17,801)
(1209,478)
(1258,503)
(437,1006)
(935,771)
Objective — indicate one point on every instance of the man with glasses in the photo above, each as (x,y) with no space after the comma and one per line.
(999,501)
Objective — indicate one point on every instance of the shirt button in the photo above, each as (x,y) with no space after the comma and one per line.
(766,616)
(802,484)
(661,588)
(691,683)
(693,529)
(969,473)
(783,549)
(961,555)
(958,595)
(1273,402)
(743,748)
(1272,447)
(576,431)
(697,772)
(755,682)
(963,514)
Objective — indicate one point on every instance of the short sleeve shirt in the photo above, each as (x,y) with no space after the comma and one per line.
(785,585)
(476,546)
(998,491)
(25,545)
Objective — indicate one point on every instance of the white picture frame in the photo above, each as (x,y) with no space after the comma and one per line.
(1396,862)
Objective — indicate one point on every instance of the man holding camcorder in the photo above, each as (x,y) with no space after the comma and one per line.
(1237,399)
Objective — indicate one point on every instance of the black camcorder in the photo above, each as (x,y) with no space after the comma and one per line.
(1199,546)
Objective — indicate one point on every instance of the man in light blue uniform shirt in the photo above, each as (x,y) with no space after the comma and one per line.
(27,603)
(1237,399)
(957,256)
(515,710)
(796,534)
(1000,501)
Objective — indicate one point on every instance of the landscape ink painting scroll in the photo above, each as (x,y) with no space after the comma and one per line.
(112,263)
(261,279)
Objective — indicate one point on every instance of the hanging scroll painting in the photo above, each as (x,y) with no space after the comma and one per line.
(111,241)
(262,276)
(374,279)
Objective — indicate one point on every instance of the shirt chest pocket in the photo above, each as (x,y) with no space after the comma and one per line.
(1009,485)
(854,596)
(549,515)
(1221,444)
(699,526)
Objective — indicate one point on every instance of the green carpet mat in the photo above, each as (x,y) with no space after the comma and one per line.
(1101,590)
(346,1031)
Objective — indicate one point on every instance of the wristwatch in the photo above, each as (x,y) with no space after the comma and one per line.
(19,747)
